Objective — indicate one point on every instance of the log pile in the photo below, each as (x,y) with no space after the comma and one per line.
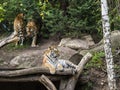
(43,75)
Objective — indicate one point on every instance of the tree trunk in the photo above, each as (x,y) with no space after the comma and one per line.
(107,46)
(47,83)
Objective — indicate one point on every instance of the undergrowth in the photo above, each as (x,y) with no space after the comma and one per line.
(97,60)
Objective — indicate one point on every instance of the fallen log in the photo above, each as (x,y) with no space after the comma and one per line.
(33,78)
(31,71)
(47,83)
(12,38)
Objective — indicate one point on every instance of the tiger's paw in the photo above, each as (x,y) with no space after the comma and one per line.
(34,45)
(52,71)
(60,67)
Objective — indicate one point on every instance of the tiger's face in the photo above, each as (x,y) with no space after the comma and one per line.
(20,16)
(52,52)
(31,28)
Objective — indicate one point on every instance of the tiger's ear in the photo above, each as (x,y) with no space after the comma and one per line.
(49,48)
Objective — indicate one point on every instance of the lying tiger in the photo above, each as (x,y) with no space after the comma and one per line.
(51,61)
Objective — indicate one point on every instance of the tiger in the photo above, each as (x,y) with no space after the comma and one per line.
(33,27)
(51,61)
(19,30)
(32,31)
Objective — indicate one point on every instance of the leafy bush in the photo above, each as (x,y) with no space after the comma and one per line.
(2,10)
(96,60)
(81,16)
(13,7)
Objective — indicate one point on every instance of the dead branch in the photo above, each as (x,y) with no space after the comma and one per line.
(10,39)
(47,83)
(32,78)
(70,84)
(34,70)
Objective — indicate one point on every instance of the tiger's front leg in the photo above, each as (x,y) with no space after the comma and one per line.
(51,68)
(22,41)
(34,41)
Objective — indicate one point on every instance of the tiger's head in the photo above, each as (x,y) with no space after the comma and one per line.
(20,16)
(31,28)
(52,52)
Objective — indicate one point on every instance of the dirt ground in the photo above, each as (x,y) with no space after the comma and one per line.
(91,79)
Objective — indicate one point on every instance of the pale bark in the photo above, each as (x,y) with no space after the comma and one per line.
(34,70)
(12,38)
(47,83)
(107,46)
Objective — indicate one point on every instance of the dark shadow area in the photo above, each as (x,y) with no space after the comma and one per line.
(23,86)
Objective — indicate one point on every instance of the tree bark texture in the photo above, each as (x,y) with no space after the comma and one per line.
(107,46)
(10,39)
(47,83)
(32,71)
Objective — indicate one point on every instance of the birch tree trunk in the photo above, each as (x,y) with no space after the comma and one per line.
(107,46)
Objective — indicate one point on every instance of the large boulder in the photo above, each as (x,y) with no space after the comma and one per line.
(33,58)
(115,43)
(83,43)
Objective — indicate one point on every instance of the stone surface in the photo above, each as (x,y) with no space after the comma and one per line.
(84,43)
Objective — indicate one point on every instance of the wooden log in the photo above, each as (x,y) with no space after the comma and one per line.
(34,70)
(32,78)
(69,84)
(10,39)
(47,83)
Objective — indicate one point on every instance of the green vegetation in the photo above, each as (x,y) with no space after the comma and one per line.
(96,61)
(11,47)
(66,17)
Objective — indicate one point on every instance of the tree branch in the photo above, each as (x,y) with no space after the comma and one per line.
(34,70)
(47,83)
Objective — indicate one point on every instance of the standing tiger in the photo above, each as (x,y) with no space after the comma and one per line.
(32,31)
(19,28)
(51,61)
(33,27)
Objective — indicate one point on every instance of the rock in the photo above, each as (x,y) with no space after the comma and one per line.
(64,41)
(33,58)
(84,43)
(89,40)
(115,42)
(115,39)
(77,44)
(27,59)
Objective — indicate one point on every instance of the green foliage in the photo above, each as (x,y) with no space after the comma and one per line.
(96,60)
(80,17)
(9,9)
(11,47)
(114,13)
(2,10)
